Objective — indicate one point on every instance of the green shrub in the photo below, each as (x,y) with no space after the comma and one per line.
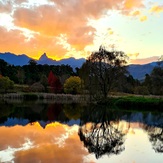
(73,85)
(37,87)
(140,103)
(6,84)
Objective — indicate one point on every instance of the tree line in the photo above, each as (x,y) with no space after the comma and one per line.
(38,78)
(104,71)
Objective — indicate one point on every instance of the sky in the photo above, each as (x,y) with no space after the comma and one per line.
(76,28)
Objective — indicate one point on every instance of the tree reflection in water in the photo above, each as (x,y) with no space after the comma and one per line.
(101,136)
(156,138)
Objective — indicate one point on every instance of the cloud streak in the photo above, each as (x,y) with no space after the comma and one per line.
(143,18)
(135,13)
(157,9)
(144,60)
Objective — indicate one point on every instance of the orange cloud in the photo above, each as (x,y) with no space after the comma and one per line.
(51,153)
(11,40)
(143,18)
(144,60)
(135,13)
(5,6)
(48,145)
(46,20)
(133,55)
(129,4)
(82,36)
(157,9)
(90,8)
(65,17)
(15,41)
(61,17)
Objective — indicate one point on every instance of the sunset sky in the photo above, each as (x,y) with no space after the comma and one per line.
(75,28)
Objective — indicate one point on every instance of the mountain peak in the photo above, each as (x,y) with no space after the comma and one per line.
(43,57)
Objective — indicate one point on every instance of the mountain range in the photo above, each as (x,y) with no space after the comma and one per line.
(139,71)
(20,60)
(136,70)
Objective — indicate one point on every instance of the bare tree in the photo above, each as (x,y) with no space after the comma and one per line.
(104,68)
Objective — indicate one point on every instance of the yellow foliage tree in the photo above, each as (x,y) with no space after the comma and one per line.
(5,83)
(73,85)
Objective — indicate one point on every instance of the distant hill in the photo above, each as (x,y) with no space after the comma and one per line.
(137,71)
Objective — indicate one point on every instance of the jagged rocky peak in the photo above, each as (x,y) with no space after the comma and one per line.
(43,57)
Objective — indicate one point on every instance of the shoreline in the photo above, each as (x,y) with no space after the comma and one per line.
(128,102)
(59,98)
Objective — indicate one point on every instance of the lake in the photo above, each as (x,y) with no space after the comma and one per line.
(47,132)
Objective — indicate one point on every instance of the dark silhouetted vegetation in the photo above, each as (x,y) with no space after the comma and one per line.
(102,70)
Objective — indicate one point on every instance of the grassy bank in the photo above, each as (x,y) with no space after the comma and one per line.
(137,103)
(117,102)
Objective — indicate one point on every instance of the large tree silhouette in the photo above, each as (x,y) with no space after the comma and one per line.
(101,136)
(103,69)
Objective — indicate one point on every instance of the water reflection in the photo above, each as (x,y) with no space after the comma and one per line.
(156,138)
(102,136)
(45,132)
(32,143)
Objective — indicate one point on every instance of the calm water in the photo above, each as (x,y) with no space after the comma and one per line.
(41,132)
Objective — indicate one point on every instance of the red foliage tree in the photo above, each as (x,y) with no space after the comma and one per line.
(54,83)
(54,111)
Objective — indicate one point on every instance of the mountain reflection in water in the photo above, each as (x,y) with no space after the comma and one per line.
(40,132)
